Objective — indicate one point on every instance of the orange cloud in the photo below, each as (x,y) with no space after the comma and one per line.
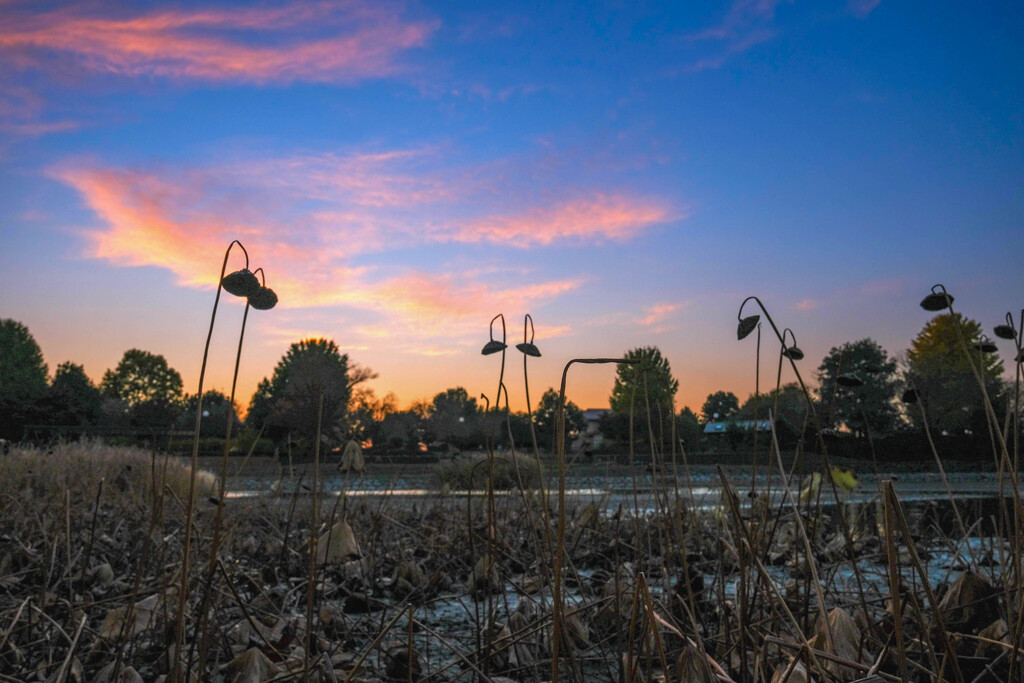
(296,41)
(601,215)
(180,223)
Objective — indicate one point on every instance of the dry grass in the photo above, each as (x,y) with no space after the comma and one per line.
(76,469)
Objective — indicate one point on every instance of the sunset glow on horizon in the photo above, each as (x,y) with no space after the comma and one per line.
(405,171)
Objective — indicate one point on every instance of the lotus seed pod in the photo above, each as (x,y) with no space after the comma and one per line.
(264,299)
(492,347)
(240,283)
(747,326)
(529,348)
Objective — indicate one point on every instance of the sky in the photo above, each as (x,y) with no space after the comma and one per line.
(625,172)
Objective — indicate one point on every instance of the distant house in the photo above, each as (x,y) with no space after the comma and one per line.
(742,425)
(591,438)
(730,434)
(593,417)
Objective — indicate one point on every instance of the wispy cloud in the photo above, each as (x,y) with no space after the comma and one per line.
(311,217)
(746,24)
(657,314)
(33,129)
(862,8)
(806,305)
(321,41)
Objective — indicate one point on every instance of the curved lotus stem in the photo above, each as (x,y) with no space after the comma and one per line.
(183,589)
(796,371)
(556,614)
(524,347)
(492,344)
(792,351)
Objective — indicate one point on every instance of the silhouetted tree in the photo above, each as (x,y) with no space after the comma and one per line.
(22,378)
(288,402)
(721,405)
(148,386)
(455,419)
(215,415)
(689,431)
(72,398)
(545,420)
(650,381)
(850,406)
(789,407)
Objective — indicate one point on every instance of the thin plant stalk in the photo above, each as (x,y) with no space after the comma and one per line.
(314,522)
(218,520)
(179,630)
(526,386)
(557,616)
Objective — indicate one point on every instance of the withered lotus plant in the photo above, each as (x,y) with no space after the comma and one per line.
(241,283)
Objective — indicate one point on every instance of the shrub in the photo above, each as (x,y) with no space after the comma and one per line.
(470,472)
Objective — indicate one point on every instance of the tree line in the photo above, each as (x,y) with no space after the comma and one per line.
(863,399)
(144,393)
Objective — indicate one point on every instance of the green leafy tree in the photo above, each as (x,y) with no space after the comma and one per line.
(871,404)
(72,398)
(22,378)
(646,392)
(940,371)
(649,381)
(288,402)
(401,431)
(151,389)
(721,405)
(545,419)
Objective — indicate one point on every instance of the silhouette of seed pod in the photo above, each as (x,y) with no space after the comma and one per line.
(240,283)
(529,348)
(1005,331)
(793,353)
(493,347)
(849,380)
(746,326)
(986,346)
(264,299)
(937,301)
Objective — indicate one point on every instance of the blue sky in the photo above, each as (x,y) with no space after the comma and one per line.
(627,173)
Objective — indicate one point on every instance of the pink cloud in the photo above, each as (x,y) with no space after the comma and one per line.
(806,305)
(295,41)
(600,216)
(658,313)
